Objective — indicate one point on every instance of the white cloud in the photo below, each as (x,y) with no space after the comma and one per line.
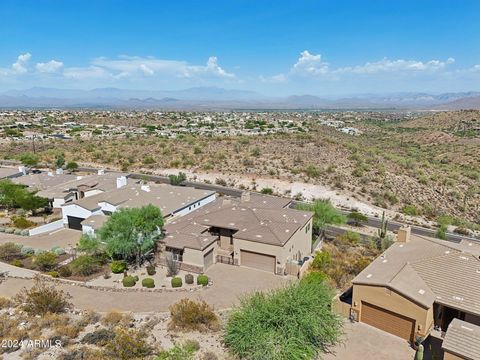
(19,67)
(400,65)
(91,72)
(51,66)
(126,66)
(309,64)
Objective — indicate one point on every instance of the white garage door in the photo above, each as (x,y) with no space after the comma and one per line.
(257,261)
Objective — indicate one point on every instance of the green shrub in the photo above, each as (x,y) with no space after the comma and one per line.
(192,315)
(17,232)
(176,282)
(53,274)
(10,251)
(84,265)
(151,270)
(2,229)
(27,251)
(45,261)
(189,279)
(21,222)
(25,233)
(148,283)
(136,278)
(17,263)
(128,281)
(127,344)
(9,230)
(185,351)
(118,267)
(410,210)
(267,191)
(321,261)
(65,271)
(295,322)
(202,280)
(99,337)
(58,250)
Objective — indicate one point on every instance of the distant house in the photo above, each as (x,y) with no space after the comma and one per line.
(173,201)
(462,341)
(257,231)
(418,287)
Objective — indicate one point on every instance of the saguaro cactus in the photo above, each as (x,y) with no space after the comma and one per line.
(382,231)
(419,352)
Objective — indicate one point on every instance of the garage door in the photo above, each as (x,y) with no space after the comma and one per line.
(74,222)
(208,259)
(257,261)
(388,321)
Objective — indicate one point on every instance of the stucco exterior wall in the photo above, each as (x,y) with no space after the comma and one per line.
(299,244)
(74,210)
(195,257)
(393,301)
(194,206)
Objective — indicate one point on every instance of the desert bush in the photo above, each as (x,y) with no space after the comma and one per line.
(115,318)
(58,250)
(128,281)
(209,355)
(65,271)
(43,298)
(21,222)
(176,282)
(82,353)
(128,344)
(9,230)
(192,315)
(295,322)
(45,261)
(267,191)
(53,274)
(151,270)
(17,263)
(118,266)
(410,210)
(202,280)
(348,238)
(321,260)
(98,337)
(27,251)
(148,283)
(10,251)
(185,351)
(5,302)
(189,279)
(84,265)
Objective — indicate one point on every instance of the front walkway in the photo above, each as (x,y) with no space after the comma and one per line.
(229,284)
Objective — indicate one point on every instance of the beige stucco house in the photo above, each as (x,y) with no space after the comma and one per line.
(418,286)
(256,231)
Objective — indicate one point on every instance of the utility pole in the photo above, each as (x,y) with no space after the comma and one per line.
(33,143)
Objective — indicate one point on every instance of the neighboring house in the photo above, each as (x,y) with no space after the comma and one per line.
(11,173)
(171,200)
(462,341)
(419,285)
(256,231)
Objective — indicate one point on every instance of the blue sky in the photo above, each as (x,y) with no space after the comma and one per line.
(273,47)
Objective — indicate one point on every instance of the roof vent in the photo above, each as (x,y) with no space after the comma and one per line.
(369,276)
(458,298)
(466,328)
(421,291)
(447,252)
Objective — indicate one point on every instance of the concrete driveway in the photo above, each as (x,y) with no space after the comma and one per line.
(364,342)
(230,284)
(62,237)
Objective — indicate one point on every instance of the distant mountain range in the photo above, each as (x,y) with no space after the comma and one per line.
(213,98)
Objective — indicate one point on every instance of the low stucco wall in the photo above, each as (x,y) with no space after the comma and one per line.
(393,301)
(450,356)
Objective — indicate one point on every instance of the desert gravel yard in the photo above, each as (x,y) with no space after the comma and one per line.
(364,342)
(229,284)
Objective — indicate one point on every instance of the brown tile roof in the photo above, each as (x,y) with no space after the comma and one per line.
(463,339)
(274,226)
(427,271)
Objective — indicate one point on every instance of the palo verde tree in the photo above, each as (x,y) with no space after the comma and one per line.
(29,159)
(16,196)
(324,213)
(130,233)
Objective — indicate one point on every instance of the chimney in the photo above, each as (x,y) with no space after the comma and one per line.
(59,171)
(403,235)
(245,196)
(22,169)
(121,182)
(101,172)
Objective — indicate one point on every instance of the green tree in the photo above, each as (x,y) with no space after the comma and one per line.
(130,233)
(324,213)
(357,218)
(29,159)
(16,196)
(72,166)
(59,161)
(90,245)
